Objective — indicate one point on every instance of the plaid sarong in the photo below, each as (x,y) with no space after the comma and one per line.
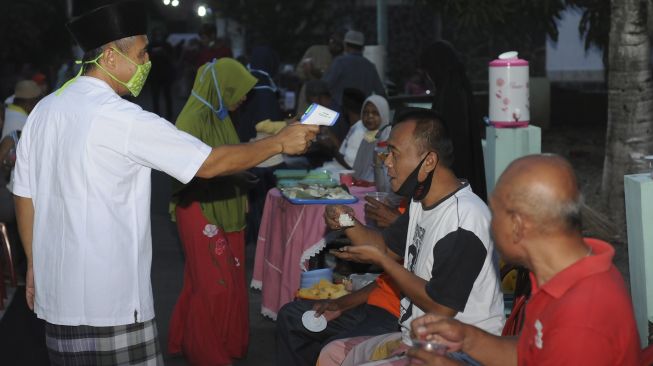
(132,344)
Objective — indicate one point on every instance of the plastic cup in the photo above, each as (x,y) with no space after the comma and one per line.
(379,196)
(347,179)
(394,199)
(430,346)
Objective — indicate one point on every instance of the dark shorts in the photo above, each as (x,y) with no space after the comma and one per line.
(132,344)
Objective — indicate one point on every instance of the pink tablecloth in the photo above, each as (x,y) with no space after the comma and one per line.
(289,235)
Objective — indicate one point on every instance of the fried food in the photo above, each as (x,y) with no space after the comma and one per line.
(322,290)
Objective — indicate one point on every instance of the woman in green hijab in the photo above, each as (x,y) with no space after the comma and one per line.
(210,321)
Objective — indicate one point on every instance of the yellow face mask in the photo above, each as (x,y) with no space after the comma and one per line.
(135,83)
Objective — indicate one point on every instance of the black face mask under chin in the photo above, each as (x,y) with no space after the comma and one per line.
(413,188)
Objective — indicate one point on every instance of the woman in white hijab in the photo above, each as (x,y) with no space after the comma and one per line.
(358,146)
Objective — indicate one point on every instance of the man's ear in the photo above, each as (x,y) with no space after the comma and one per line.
(517,227)
(430,163)
(108,58)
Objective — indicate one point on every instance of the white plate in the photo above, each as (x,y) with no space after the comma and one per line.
(312,323)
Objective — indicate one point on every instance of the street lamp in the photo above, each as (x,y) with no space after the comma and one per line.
(201,10)
(174,3)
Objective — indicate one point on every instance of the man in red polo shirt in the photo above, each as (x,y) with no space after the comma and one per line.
(580,312)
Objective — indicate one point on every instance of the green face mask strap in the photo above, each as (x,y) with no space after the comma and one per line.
(79,73)
(125,56)
(111,75)
(107,72)
(140,75)
(134,84)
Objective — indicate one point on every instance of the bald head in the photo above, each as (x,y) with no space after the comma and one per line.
(544,189)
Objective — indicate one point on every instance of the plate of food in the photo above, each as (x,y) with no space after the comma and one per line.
(324,182)
(322,290)
(317,194)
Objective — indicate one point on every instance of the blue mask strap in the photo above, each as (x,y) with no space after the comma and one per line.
(221,112)
(272,85)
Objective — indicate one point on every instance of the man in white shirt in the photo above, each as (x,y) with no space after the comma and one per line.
(26,95)
(82,192)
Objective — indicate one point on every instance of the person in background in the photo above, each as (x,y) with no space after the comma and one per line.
(26,94)
(358,146)
(371,310)
(317,91)
(315,61)
(260,110)
(263,100)
(336,46)
(579,313)
(352,70)
(65,72)
(8,146)
(211,47)
(2,116)
(163,72)
(27,72)
(186,62)
(453,100)
(42,81)
(209,324)
(7,162)
(352,105)
(327,143)
(82,193)
(417,84)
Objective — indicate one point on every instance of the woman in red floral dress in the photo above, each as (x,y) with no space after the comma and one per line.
(209,324)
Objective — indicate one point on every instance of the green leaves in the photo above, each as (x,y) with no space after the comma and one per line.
(595,21)
(503,17)
(32,31)
(290,25)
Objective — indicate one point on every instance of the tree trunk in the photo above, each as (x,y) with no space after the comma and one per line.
(630,103)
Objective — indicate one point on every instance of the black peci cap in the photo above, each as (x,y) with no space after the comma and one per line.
(109,23)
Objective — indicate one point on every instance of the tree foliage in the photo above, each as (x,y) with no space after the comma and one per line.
(509,18)
(290,25)
(489,27)
(594,23)
(32,31)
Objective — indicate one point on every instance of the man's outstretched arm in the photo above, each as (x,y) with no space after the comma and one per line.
(229,159)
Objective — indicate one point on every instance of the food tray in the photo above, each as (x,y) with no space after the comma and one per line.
(290,173)
(320,201)
(284,183)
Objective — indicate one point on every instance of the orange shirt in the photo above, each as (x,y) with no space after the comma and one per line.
(385,295)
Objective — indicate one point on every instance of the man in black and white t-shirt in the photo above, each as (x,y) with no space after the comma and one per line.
(449,265)
(449,246)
